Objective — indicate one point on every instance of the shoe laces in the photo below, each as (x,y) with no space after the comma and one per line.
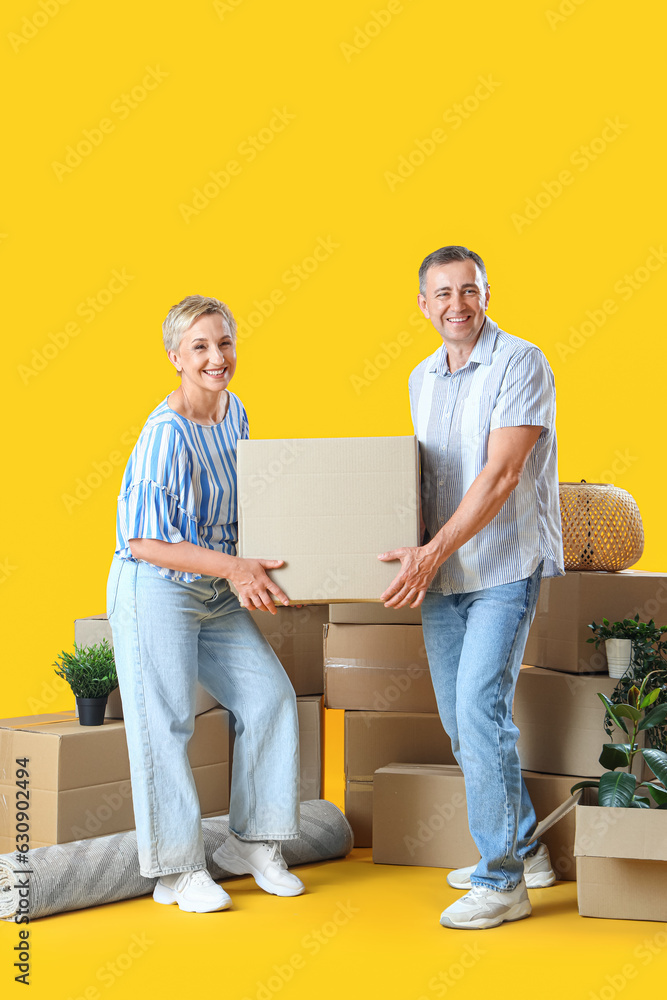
(275,855)
(200,877)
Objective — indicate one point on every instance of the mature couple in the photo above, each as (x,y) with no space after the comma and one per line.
(483,408)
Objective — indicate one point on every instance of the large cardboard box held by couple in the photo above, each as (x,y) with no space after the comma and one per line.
(420,817)
(79,776)
(377,668)
(328,507)
(621,862)
(568,604)
(372,739)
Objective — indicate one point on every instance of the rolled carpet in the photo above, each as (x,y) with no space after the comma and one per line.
(106,869)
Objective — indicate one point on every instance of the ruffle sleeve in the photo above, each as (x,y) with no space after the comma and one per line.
(157,500)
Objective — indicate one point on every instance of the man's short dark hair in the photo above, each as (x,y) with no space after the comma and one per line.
(443,256)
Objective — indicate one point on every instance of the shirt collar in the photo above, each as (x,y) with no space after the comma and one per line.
(482,352)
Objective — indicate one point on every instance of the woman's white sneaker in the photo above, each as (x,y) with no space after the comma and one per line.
(537,872)
(483,907)
(195,892)
(263,861)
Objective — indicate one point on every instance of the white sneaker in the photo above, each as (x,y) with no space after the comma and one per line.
(537,872)
(482,907)
(195,892)
(263,861)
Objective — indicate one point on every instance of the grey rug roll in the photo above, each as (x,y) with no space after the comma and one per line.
(106,869)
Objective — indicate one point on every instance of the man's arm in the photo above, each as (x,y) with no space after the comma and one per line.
(508,451)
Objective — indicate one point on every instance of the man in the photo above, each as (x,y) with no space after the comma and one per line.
(483,408)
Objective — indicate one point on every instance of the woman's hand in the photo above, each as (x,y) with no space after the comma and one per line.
(254,585)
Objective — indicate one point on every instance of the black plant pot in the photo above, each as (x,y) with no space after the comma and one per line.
(91,711)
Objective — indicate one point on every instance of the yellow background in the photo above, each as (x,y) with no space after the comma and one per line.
(366,91)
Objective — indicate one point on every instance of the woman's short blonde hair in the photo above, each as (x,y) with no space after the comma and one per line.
(181,317)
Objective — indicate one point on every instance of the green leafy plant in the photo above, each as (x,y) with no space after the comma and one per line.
(620,788)
(90,671)
(649,649)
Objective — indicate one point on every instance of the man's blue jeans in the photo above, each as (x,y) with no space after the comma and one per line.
(475,644)
(167,635)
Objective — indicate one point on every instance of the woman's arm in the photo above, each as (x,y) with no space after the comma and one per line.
(249,576)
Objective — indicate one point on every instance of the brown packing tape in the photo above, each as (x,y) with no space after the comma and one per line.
(557,814)
(62,717)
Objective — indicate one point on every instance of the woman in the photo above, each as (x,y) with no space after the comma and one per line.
(175,620)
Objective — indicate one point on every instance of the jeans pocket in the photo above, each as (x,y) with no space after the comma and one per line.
(113,584)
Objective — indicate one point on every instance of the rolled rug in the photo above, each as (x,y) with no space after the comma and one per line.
(106,869)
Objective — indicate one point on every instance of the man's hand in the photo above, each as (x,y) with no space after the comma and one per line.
(254,585)
(418,567)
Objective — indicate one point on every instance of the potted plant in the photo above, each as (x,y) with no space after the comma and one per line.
(91,673)
(630,642)
(621,843)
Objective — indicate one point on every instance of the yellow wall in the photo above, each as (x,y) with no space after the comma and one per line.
(482,107)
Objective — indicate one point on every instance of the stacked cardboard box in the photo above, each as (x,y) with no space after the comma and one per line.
(376,669)
(79,776)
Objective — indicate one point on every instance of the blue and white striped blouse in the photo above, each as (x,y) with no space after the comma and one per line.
(507,382)
(180,484)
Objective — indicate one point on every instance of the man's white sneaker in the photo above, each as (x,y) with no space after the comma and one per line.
(263,861)
(537,872)
(482,907)
(195,892)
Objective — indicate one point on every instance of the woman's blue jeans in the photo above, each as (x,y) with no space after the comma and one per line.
(475,643)
(167,636)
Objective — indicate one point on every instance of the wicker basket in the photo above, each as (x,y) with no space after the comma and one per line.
(602,527)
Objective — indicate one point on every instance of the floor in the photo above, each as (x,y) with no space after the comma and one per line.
(360,930)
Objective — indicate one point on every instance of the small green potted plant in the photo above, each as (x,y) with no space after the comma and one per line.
(629,643)
(90,671)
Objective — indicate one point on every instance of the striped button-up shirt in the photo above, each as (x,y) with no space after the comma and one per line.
(507,382)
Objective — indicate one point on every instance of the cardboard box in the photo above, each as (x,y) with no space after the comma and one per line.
(295,634)
(359,811)
(377,668)
(560,718)
(420,817)
(367,613)
(311,746)
(621,862)
(568,604)
(79,776)
(374,739)
(90,631)
(328,507)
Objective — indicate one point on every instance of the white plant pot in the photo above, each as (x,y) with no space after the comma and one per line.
(619,655)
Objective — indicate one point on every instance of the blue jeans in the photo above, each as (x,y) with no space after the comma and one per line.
(475,643)
(167,635)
